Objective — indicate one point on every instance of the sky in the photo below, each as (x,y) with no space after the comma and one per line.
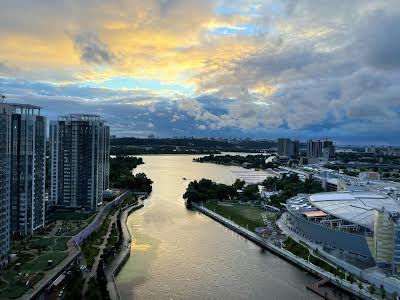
(225,68)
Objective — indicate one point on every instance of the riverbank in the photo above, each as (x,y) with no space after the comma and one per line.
(113,269)
(286,255)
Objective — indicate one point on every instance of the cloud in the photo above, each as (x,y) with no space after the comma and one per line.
(92,49)
(378,38)
(298,67)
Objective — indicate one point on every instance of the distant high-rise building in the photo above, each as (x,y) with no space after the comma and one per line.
(314,149)
(288,148)
(328,149)
(296,148)
(370,149)
(27,138)
(79,160)
(284,147)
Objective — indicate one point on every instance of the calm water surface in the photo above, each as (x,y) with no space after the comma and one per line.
(180,254)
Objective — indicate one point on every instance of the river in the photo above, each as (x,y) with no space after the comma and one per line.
(180,254)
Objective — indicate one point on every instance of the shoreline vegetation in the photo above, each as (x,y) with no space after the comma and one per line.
(128,150)
(257,161)
(186,145)
(281,188)
(121,174)
(110,234)
(121,168)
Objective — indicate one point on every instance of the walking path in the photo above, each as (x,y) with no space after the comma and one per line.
(93,271)
(115,266)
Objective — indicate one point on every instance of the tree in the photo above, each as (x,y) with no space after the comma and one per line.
(74,284)
(372,289)
(383,292)
(239,184)
(250,192)
(350,278)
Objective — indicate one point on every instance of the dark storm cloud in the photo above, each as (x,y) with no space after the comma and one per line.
(92,50)
(378,38)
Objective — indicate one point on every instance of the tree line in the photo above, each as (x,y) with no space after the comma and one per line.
(121,174)
(252,161)
(288,186)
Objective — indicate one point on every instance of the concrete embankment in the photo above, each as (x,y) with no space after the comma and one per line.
(118,262)
(286,255)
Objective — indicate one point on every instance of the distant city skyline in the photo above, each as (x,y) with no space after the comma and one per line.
(245,68)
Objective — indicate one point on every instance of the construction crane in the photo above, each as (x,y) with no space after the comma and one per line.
(2,98)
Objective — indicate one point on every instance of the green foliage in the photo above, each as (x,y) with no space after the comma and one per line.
(350,278)
(290,186)
(205,189)
(74,285)
(93,291)
(70,215)
(251,192)
(383,292)
(303,252)
(90,245)
(121,174)
(122,166)
(250,161)
(372,289)
(40,263)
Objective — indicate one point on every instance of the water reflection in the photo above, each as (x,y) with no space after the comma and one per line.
(181,254)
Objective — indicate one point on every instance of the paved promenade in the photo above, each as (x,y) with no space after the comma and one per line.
(115,266)
(352,288)
(74,253)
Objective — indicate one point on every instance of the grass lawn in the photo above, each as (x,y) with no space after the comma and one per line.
(40,263)
(243,215)
(16,288)
(61,244)
(70,215)
(41,242)
(13,292)
(24,257)
(3,284)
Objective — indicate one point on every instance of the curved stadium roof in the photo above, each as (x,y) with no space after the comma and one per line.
(354,207)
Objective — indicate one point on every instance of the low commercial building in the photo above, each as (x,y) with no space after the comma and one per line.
(361,224)
(366,176)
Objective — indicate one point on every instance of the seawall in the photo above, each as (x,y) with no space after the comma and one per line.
(118,262)
(284,254)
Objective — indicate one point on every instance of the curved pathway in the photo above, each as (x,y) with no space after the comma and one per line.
(113,268)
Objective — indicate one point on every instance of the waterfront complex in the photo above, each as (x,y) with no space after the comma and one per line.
(79,160)
(363,225)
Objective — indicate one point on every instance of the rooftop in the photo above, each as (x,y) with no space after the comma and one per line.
(80,117)
(355,207)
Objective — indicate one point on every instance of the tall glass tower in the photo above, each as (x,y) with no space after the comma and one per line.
(22,171)
(79,160)
(28,168)
(5,175)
